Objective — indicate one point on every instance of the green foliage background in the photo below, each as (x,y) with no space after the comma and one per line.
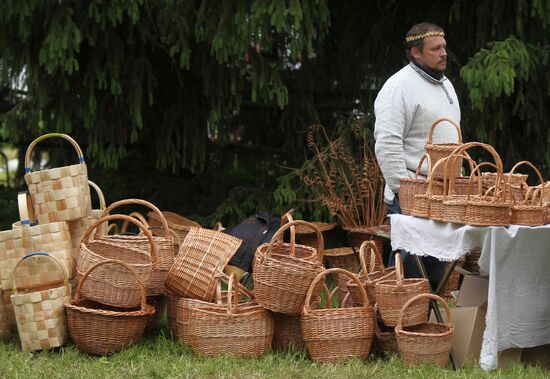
(201,106)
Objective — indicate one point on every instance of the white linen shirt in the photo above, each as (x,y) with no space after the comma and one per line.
(405,109)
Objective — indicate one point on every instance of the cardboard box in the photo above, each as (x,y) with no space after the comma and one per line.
(469,325)
(473,292)
(509,356)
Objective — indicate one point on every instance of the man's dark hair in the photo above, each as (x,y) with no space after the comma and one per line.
(417,30)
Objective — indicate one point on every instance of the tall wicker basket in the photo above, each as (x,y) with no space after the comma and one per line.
(62,193)
(336,334)
(40,312)
(443,150)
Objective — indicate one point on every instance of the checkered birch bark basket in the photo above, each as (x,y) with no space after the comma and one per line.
(40,315)
(6,324)
(77,228)
(61,193)
(53,238)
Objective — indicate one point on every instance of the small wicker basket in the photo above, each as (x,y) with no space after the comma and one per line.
(392,294)
(409,187)
(527,212)
(335,334)
(443,150)
(427,342)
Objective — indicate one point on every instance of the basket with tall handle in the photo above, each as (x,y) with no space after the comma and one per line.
(438,151)
(530,211)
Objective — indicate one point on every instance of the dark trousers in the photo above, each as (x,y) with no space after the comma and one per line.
(434,267)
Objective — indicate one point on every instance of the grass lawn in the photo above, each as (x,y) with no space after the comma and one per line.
(159,356)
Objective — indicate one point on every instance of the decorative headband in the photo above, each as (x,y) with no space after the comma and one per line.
(416,37)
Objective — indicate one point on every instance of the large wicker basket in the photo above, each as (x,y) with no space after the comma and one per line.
(283,271)
(99,329)
(392,294)
(443,150)
(112,284)
(162,238)
(62,193)
(427,342)
(240,329)
(200,263)
(40,312)
(336,334)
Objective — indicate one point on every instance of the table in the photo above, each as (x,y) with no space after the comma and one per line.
(517,259)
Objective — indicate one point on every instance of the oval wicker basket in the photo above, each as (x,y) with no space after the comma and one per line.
(114,285)
(283,271)
(427,342)
(335,334)
(99,329)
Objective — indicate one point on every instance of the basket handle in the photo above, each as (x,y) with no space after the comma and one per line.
(279,233)
(399,273)
(472,174)
(46,136)
(113,261)
(146,232)
(368,251)
(65,275)
(537,172)
(451,178)
(286,218)
(339,271)
(419,167)
(145,203)
(135,215)
(112,226)
(431,174)
(440,120)
(102,203)
(26,210)
(415,299)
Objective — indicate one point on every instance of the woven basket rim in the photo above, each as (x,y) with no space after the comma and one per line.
(407,282)
(322,226)
(339,251)
(401,330)
(369,229)
(147,310)
(53,169)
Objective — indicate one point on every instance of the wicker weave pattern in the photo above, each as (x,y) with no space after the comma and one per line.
(53,238)
(384,336)
(40,314)
(287,332)
(162,238)
(177,223)
(99,329)
(8,317)
(343,257)
(5,323)
(333,335)
(62,193)
(408,187)
(428,342)
(202,258)
(244,330)
(114,285)
(392,294)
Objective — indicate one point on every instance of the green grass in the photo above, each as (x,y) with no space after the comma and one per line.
(159,356)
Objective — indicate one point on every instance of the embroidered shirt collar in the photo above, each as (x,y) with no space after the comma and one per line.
(425,75)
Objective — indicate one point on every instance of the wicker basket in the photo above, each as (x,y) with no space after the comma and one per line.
(287,333)
(409,187)
(516,184)
(177,223)
(452,283)
(101,330)
(307,236)
(527,212)
(283,271)
(392,294)
(372,271)
(240,329)
(384,335)
(341,257)
(40,312)
(114,285)
(429,204)
(53,238)
(336,334)
(202,258)
(77,228)
(162,238)
(427,342)
(62,193)
(440,151)
(159,303)
(356,236)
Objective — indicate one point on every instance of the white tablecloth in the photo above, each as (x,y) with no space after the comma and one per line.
(517,259)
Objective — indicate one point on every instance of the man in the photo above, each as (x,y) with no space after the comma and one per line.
(405,108)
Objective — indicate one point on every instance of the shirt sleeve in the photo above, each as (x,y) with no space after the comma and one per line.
(394,115)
